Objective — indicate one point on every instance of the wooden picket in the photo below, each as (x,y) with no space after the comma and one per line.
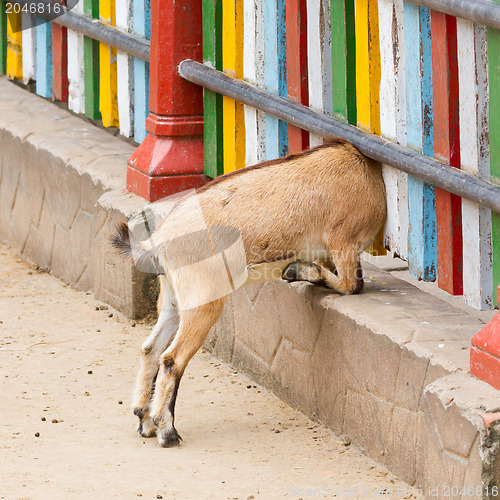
(141,12)
(124,70)
(274,74)
(393,119)
(29,47)
(250,70)
(14,41)
(108,93)
(59,62)
(447,149)
(3,39)
(474,157)
(421,225)
(76,68)
(253,71)
(293,70)
(91,65)
(319,60)
(44,60)
(212,54)
(343,60)
(493,38)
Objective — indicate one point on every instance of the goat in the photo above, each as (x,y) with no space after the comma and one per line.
(305,217)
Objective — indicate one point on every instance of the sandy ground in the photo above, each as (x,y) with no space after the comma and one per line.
(67,431)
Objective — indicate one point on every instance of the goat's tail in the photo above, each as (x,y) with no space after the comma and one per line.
(140,251)
(120,239)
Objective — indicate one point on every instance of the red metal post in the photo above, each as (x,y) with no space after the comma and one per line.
(170,159)
(485,351)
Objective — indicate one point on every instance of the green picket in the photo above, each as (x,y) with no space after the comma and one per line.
(343,60)
(212,102)
(494,101)
(91,65)
(3,39)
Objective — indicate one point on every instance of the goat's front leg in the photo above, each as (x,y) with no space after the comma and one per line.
(347,279)
(194,326)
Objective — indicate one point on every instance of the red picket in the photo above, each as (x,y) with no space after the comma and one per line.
(447,149)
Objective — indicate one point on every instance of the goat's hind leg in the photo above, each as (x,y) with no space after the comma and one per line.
(193,329)
(160,338)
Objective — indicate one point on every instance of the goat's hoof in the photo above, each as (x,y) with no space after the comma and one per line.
(168,438)
(146,427)
(140,412)
(291,273)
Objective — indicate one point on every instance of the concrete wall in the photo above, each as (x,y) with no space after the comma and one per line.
(54,168)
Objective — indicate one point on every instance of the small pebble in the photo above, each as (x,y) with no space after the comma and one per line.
(133,325)
(120,402)
(37,434)
(110,315)
(43,419)
(159,496)
(55,421)
(277,431)
(90,372)
(346,441)
(249,386)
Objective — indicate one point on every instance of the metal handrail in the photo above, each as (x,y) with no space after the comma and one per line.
(428,169)
(477,11)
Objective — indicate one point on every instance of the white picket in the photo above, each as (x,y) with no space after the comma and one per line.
(29,47)
(474,156)
(393,120)
(76,76)
(125,75)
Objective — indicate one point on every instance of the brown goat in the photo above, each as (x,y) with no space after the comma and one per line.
(304,217)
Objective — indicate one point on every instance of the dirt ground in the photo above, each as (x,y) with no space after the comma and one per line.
(67,431)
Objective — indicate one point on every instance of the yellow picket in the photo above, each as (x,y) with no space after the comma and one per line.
(368,79)
(108,100)
(14,47)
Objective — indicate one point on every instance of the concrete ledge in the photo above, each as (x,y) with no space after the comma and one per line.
(388,367)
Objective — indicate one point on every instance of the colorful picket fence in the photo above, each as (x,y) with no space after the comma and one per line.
(417,77)
(94,79)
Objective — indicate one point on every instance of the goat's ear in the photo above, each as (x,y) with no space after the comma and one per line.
(120,240)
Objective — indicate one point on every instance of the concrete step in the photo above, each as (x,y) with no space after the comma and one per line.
(389,367)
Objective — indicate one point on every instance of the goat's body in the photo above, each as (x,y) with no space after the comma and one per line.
(329,197)
(317,210)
